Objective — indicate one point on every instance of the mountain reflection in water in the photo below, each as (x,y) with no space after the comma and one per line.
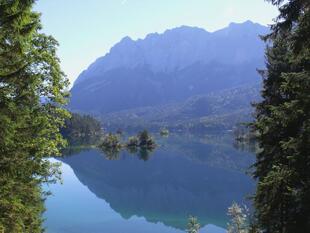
(184,176)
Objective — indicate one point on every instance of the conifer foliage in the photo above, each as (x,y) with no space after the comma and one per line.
(282,198)
(32,92)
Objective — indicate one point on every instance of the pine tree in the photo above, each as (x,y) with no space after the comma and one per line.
(239,219)
(29,126)
(282,199)
(193,225)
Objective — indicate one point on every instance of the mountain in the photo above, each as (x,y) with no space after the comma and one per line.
(170,68)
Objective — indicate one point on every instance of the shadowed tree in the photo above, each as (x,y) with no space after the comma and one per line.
(282,198)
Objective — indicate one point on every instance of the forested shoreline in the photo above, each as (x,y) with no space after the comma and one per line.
(32,130)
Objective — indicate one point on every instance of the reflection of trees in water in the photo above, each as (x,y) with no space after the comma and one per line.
(132,149)
(142,145)
(246,146)
(142,153)
(111,153)
(145,153)
(73,150)
(160,190)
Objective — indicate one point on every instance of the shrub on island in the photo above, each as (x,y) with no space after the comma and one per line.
(145,140)
(164,132)
(111,141)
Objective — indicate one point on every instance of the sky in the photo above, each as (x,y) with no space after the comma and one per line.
(88,29)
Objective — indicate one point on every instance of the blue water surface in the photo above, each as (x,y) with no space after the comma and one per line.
(148,193)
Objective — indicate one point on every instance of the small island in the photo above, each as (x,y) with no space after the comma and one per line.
(112,144)
(164,132)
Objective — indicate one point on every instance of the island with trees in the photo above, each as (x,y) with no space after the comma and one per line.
(112,144)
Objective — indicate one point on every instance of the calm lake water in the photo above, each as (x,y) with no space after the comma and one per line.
(148,193)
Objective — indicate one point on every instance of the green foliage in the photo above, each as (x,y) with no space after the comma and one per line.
(145,140)
(32,93)
(111,146)
(142,144)
(82,130)
(282,199)
(193,225)
(111,141)
(132,142)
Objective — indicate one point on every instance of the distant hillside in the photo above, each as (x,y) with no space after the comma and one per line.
(215,111)
(175,69)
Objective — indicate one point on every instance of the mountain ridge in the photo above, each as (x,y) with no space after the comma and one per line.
(182,31)
(170,68)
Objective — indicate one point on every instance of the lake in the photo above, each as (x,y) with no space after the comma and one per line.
(155,192)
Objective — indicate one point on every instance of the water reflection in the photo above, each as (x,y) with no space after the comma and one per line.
(185,176)
(115,154)
(111,154)
(145,154)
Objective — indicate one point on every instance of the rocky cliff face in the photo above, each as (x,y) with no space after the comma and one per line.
(170,67)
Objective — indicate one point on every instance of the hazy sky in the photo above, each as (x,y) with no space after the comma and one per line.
(86,29)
